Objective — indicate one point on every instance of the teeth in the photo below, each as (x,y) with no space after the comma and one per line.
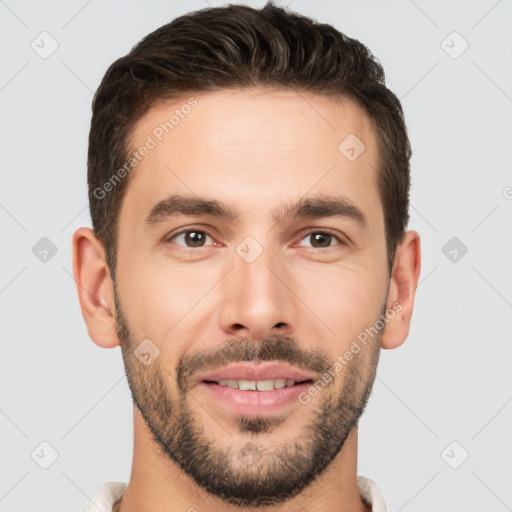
(259,385)
(229,383)
(247,385)
(281,383)
(265,385)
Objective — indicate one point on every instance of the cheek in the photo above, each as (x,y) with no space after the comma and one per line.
(347,300)
(162,300)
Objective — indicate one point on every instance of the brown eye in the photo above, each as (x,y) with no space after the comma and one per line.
(321,239)
(190,238)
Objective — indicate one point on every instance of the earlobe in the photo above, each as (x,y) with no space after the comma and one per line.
(95,288)
(402,290)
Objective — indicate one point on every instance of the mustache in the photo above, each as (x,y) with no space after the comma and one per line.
(276,348)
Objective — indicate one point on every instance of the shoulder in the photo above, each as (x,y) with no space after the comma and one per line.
(106,496)
(371,494)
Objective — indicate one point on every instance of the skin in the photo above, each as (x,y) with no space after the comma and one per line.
(255,150)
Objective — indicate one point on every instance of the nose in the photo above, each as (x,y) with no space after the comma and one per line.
(257,298)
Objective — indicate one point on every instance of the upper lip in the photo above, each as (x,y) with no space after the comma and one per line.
(249,371)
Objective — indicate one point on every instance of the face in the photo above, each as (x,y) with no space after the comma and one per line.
(251,258)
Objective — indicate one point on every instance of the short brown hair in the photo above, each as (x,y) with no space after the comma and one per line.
(236,46)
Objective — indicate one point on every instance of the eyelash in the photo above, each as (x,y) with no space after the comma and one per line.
(325,232)
(206,232)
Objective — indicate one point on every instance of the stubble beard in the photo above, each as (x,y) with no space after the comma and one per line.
(249,476)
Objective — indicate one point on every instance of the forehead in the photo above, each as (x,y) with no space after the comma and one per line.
(243,143)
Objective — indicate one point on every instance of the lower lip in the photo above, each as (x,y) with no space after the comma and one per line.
(255,403)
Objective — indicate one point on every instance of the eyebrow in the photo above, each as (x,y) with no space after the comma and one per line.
(313,207)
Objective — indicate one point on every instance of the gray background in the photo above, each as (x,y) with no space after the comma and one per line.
(451,381)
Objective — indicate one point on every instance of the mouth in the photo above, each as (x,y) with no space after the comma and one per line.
(248,376)
(257,385)
(254,390)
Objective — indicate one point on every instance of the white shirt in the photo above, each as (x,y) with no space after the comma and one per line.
(110,492)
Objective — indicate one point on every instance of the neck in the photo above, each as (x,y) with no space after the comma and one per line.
(158,485)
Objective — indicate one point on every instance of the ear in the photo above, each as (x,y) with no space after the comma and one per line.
(402,290)
(95,288)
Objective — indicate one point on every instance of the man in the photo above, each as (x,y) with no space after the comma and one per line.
(248,178)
